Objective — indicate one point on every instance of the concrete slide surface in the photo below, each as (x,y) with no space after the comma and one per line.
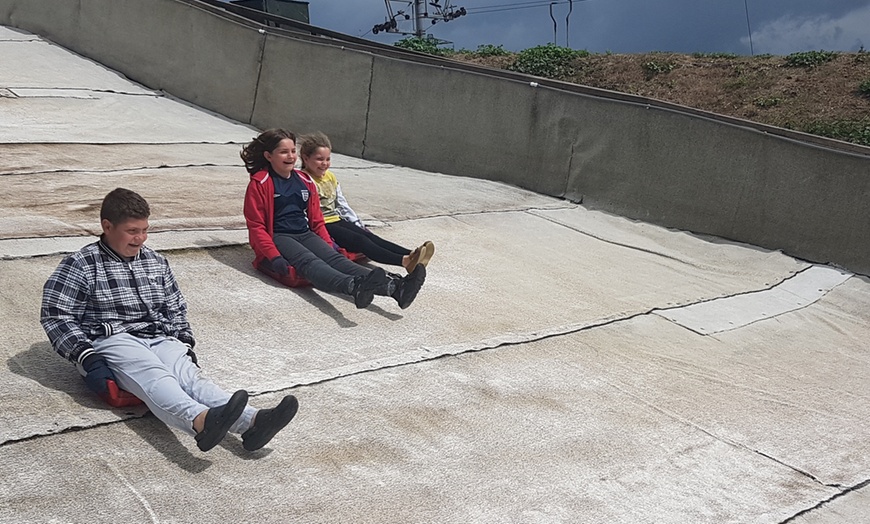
(559,364)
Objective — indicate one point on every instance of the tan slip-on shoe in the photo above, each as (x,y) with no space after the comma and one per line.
(413,259)
(426,252)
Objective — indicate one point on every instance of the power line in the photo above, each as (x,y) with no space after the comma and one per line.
(530,3)
(515,6)
(447,12)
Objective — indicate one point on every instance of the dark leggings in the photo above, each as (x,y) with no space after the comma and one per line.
(358,240)
(317,262)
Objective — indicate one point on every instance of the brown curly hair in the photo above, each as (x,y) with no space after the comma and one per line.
(252,154)
(309,143)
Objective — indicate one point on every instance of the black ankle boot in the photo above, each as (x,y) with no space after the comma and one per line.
(407,288)
(364,287)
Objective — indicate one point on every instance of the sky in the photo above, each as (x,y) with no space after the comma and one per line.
(777,27)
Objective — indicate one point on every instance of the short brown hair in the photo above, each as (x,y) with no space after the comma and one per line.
(122,204)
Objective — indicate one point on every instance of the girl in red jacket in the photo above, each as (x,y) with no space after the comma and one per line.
(286,228)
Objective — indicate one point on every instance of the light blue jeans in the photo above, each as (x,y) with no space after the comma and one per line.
(158,371)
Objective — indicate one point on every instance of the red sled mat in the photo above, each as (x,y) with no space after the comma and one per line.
(119,398)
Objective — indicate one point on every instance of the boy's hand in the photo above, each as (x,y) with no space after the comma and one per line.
(97,375)
(192,355)
(188,341)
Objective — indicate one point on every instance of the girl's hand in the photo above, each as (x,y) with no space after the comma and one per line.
(280,266)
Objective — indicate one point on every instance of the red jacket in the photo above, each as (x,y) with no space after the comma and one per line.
(260,214)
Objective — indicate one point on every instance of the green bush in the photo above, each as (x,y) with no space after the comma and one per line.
(864,87)
(422,45)
(855,131)
(809,59)
(490,50)
(550,61)
(657,67)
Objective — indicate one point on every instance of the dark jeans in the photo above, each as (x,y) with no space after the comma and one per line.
(358,240)
(317,262)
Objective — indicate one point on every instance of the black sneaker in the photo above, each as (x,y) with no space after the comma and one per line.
(364,287)
(219,420)
(269,422)
(407,289)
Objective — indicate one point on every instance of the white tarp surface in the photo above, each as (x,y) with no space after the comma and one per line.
(535,379)
(484,288)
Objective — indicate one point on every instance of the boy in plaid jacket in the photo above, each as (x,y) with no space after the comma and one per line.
(115,310)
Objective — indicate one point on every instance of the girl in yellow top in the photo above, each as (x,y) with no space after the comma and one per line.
(343,225)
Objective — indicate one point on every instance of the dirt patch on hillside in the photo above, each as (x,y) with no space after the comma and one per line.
(830,98)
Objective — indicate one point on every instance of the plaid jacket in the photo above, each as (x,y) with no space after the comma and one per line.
(95,293)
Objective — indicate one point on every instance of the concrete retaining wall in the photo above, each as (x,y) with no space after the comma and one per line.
(623,154)
(178,47)
(473,125)
(717,178)
(308,86)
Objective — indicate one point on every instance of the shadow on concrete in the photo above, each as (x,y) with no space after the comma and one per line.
(164,440)
(240,259)
(41,364)
(233,444)
(374,308)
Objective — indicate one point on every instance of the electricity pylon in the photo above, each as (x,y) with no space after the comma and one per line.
(442,11)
